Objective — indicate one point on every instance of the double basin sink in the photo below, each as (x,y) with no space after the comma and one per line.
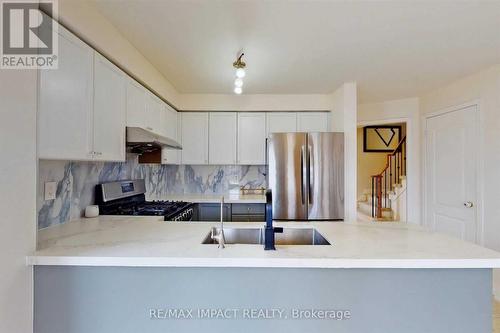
(289,236)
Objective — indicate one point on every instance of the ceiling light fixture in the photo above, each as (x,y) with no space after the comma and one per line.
(240,74)
(238,83)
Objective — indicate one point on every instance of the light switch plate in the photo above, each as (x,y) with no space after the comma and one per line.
(50,190)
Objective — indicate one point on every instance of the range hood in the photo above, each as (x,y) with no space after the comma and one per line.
(140,141)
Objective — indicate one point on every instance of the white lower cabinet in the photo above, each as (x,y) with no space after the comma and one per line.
(109,111)
(251,138)
(281,122)
(222,138)
(194,137)
(65,102)
(312,122)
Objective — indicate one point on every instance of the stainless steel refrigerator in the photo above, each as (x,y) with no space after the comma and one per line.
(306,175)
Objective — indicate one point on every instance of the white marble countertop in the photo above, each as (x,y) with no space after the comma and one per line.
(147,241)
(214,198)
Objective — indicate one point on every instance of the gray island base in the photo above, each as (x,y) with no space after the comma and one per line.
(79,299)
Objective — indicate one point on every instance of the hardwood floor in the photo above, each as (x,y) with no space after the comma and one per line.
(496,317)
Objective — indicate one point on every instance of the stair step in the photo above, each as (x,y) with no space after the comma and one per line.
(387,213)
(365,208)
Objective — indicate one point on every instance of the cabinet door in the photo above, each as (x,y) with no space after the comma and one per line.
(171,122)
(248,212)
(211,212)
(136,104)
(163,130)
(155,119)
(251,138)
(109,110)
(65,102)
(312,122)
(171,156)
(194,137)
(222,138)
(281,122)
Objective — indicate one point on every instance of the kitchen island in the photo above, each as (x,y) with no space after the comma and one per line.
(131,274)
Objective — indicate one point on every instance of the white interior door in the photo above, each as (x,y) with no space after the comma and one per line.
(451,144)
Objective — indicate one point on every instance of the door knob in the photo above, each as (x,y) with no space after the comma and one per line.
(468,204)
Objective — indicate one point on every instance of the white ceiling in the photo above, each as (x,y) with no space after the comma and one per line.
(392,49)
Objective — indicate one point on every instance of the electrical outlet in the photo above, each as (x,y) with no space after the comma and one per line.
(50,190)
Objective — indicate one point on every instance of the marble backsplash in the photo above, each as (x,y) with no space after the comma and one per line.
(76,182)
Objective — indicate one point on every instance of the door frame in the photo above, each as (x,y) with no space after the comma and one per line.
(411,157)
(479,126)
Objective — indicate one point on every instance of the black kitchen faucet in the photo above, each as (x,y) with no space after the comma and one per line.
(270,230)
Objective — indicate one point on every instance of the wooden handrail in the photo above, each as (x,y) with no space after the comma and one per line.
(393,153)
(390,174)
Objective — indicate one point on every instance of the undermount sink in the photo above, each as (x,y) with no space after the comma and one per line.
(290,236)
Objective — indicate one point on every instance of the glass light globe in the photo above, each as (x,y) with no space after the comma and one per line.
(238,83)
(238,90)
(240,73)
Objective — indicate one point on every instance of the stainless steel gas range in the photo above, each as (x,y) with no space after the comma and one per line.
(127,197)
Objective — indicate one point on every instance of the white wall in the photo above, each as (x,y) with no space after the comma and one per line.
(396,111)
(260,102)
(17,197)
(483,87)
(344,103)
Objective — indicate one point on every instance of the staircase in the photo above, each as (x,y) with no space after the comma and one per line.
(383,200)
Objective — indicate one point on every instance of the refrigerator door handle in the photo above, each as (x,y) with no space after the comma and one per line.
(266,167)
(310,182)
(302,179)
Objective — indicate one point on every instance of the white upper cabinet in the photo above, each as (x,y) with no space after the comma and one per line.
(155,114)
(65,102)
(136,104)
(145,110)
(281,122)
(222,138)
(171,156)
(312,122)
(194,137)
(251,138)
(171,122)
(109,110)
